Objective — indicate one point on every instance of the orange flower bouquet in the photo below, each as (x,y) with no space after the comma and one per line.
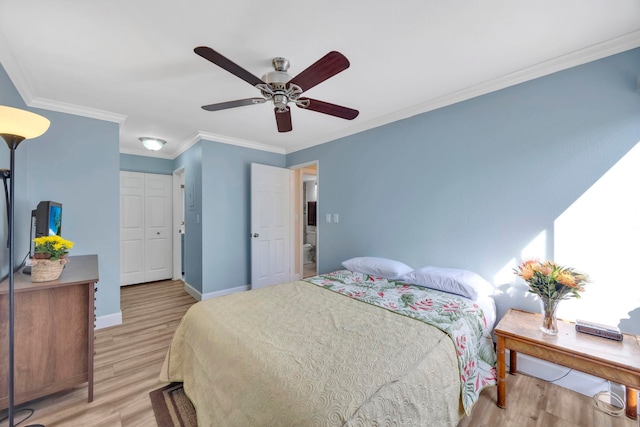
(552,283)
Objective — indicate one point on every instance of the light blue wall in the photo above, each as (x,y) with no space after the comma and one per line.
(217,210)
(464,186)
(191,161)
(470,185)
(226,207)
(75,163)
(217,213)
(145,164)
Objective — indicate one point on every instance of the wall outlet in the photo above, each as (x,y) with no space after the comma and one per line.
(327,218)
(336,218)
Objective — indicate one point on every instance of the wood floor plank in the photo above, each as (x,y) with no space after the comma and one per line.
(532,402)
(129,358)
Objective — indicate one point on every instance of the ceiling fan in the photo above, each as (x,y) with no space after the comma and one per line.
(281,88)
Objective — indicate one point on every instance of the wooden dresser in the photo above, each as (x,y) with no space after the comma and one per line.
(54,325)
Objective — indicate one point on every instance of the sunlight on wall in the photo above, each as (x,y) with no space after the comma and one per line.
(517,290)
(599,234)
(537,248)
(505,275)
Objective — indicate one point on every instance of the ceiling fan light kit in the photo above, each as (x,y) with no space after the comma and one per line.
(281,88)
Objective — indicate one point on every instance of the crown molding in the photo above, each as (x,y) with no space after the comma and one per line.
(580,57)
(583,56)
(147,153)
(17,75)
(78,110)
(186,144)
(64,107)
(241,142)
(14,70)
(207,136)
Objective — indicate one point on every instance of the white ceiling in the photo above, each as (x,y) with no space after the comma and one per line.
(132,61)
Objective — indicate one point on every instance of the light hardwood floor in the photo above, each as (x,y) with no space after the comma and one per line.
(129,357)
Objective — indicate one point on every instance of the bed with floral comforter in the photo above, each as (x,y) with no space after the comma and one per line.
(342,349)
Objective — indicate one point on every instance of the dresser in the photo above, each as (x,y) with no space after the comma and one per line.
(54,332)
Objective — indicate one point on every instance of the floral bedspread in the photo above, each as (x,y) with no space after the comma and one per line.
(459,318)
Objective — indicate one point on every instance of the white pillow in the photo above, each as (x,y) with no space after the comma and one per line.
(460,282)
(378,267)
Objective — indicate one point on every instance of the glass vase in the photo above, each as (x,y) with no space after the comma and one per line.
(548,308)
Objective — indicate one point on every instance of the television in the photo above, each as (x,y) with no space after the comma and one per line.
(48,219)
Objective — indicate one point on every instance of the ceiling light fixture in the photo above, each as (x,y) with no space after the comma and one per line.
(153,144)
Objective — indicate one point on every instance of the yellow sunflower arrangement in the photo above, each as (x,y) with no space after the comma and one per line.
(51,247)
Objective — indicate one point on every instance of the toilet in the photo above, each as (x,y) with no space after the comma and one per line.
(309,248)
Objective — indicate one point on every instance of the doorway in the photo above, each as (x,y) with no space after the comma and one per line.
(306,245)
(178,225)
(146,240)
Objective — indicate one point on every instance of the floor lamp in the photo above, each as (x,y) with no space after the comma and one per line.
(16,126)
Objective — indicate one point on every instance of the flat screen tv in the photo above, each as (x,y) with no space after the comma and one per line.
(48,219)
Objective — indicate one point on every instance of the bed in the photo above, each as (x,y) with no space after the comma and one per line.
(341,349)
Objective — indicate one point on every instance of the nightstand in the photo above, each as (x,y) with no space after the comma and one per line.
(617,361)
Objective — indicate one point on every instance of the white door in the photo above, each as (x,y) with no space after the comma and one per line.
(145,227)
(158,223)
(270,229)
(131,228)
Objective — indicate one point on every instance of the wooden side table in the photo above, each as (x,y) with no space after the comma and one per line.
(617,361)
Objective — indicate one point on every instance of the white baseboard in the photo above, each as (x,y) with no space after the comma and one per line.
(196,294)
(225,292)
(199,296)
(116,318)
(108,320)
(565,377)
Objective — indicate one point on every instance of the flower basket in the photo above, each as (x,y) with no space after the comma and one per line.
(49,257)
(45,270)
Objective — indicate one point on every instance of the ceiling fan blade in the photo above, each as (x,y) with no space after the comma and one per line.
(283,120)
(328,108)
(327,66)
(233,104)
(223,62)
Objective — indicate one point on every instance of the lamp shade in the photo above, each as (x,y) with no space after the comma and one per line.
(153,144)
(25,124)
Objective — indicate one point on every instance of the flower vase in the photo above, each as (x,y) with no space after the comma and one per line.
(548,308)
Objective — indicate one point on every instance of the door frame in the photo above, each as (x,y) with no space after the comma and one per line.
(297,227)
(178,218)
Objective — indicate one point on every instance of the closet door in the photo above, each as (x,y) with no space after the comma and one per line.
(132,228)
(158,222)
(145,227)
